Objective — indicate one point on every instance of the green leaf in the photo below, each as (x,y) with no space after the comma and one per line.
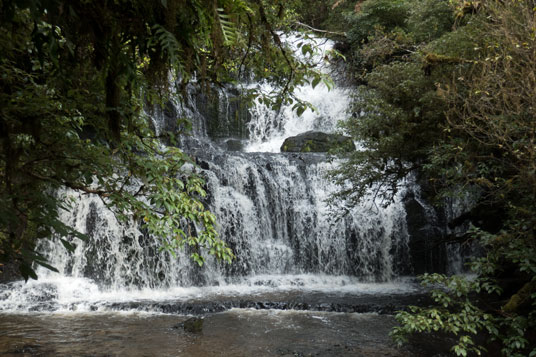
(70,247)
(315,82)
(27,272)
(46,265)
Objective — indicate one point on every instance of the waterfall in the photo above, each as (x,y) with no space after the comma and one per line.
(269,128)
(271,210)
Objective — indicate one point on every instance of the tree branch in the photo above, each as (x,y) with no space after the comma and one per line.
(71,185)
(321,31)
(277,41)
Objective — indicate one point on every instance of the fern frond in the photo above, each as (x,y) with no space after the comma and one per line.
(237,6)
(168,43)
(228,28)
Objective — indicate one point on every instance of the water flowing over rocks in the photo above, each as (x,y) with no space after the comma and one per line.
(225,113)
(294,252)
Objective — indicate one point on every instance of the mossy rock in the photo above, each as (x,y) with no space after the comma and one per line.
(317,141)
(193,325)
(234,145)
(520,299)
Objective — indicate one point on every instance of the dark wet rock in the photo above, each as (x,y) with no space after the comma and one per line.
(28,349)
(317,141)
(427,251)
(234,145)
(434,345)
(385,304)
(487,216)
(203,164)
(9,272)
(193,325)
(223,111)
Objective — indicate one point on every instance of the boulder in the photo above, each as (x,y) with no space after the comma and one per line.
(317,141)
(234,145)
(192,325)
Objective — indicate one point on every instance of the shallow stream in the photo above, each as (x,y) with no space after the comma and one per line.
(237,332)
(303,315)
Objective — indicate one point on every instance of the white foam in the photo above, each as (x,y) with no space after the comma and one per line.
(268,128)
(68,294)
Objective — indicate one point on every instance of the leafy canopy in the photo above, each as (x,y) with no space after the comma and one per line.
(75,80)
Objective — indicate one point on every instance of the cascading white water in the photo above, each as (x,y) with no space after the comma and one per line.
(271,210)
(274,214)
(269,128)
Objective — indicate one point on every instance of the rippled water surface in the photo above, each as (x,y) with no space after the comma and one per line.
(238,332)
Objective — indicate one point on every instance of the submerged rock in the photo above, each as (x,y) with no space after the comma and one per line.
(317,141)
(193,325)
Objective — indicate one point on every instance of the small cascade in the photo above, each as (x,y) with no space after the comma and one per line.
(269,128)
(271,210)
(273,213)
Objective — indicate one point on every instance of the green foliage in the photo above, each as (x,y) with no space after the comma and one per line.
(396,117)
(386,15)
(454,314)
(326,15)
(460,311)
(448,93)
(167,42)
(75,78)
(228,28)
(387,119)
(429,20)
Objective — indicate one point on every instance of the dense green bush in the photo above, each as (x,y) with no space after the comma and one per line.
(448,92)
(382,14)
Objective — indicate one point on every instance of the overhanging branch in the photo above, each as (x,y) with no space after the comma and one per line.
(321,31)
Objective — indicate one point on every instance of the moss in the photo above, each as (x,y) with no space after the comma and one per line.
(308,146)
(193,325)
(434,58)
(521,298)
(317,142)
